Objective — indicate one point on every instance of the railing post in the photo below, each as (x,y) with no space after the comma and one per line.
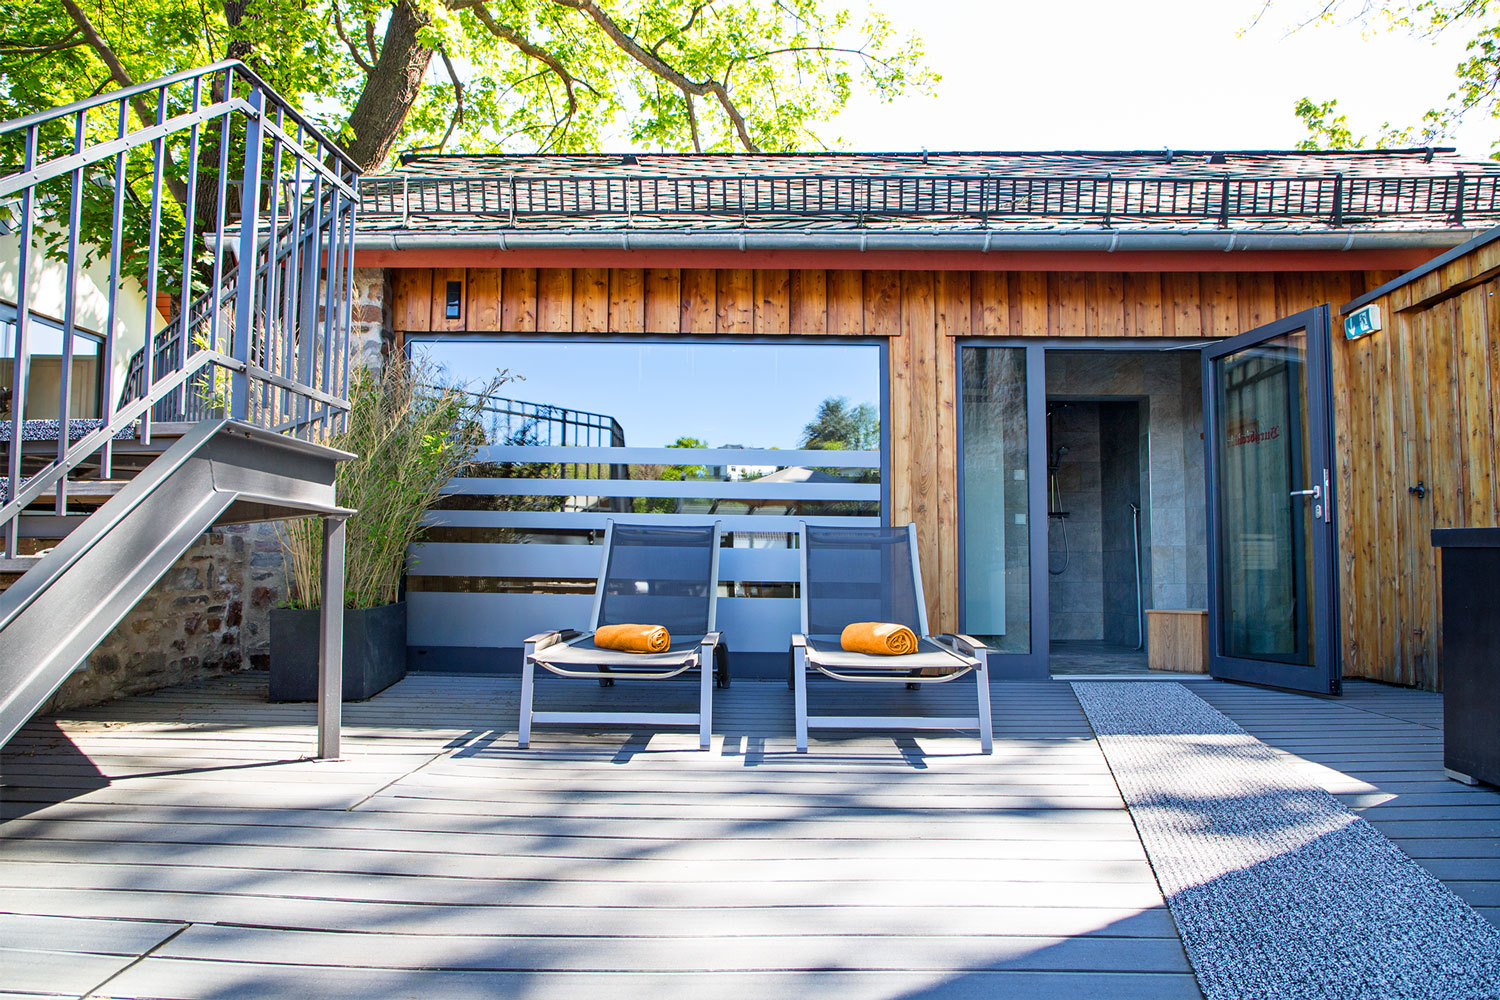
(244,292)
(1338,199)
(331,640)
(21,366)
(1458,209)
(107,358)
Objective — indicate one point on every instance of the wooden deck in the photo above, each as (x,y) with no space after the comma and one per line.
(176,846)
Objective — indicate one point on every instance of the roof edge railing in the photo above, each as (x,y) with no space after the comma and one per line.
(1336,199)
(260,324)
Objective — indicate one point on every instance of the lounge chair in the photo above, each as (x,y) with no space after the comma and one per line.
(872,575)
(649,575)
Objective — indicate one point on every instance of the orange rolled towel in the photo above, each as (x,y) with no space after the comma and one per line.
(878,638)
(633,638)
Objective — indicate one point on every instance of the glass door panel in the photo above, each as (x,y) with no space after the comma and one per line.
(1269,454)
(996,585)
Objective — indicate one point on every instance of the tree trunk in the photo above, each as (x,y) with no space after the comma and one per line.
(391,88)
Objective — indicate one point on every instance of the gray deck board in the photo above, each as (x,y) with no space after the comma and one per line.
(184,846)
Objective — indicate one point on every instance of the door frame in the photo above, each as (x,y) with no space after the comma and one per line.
(1323,617)
(1037,664)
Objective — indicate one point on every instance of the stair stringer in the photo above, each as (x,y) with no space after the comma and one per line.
(62,608)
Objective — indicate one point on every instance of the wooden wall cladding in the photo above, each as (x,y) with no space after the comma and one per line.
(1414,403)
(843,302)
(920,312)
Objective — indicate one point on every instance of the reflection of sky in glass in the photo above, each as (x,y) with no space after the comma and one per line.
(756,395)
(45,339)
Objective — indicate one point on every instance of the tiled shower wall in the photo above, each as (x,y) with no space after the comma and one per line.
(1167,388)
(1075,543)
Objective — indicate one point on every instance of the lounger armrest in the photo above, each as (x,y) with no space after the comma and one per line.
(964,644)
(544,639)
(798,639)
(711,639)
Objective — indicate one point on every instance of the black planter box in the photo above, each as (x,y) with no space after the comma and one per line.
(374,652)
(1471,652)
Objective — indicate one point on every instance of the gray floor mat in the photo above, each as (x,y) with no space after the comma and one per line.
(1278,890)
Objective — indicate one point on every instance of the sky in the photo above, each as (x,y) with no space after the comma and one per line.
(1189,74)
(755,395)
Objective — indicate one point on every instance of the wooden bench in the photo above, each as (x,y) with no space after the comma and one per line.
(1177,639)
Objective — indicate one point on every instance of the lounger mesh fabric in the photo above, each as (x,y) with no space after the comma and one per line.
(859,575)
(659,576)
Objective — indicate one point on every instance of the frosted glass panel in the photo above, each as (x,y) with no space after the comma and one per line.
(997,534)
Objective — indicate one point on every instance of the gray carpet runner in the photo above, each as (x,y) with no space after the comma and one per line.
(1277,889)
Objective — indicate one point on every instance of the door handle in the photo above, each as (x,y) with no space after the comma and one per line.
(1316,493)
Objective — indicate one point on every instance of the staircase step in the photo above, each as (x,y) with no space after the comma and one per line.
(18,564)
(84,492)
(50,526)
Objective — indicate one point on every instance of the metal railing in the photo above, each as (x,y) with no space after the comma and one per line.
(1336,199)
(518,422)
(222,198)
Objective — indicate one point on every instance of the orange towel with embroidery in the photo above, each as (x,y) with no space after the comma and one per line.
(878,638)
(633,638)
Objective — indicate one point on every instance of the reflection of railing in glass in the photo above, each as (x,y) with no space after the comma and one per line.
(548,425)
(521,423)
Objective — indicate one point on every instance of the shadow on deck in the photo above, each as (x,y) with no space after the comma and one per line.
(180,845)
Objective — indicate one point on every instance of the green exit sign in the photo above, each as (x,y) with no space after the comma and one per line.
(1360,322)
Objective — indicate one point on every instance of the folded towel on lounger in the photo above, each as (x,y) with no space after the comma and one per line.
(878,638)
(633,638)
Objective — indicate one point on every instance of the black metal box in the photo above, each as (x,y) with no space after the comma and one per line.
(1471,652)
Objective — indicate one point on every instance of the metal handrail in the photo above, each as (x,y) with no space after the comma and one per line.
(274,322)
(183,76)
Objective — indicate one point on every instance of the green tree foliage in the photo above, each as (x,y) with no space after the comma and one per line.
(838,425)
(669,473)
(486,75)
(389,76)
(1476,84)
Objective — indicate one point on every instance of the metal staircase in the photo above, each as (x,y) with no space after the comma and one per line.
(242,214)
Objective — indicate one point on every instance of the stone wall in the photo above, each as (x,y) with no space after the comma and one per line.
(371,330)
(209,615)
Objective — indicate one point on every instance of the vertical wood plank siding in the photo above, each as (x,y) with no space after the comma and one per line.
(1412,402)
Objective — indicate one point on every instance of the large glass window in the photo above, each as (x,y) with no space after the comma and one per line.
(590,429)
(997,535)
(657,394)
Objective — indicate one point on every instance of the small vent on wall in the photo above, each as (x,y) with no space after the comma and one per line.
(453,300)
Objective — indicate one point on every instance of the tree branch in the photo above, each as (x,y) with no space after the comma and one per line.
(660,67)
(687,26)
(338,26)
(534,51)
(143,110)
(529,47)
(458,106)
(71,40)
(692,117)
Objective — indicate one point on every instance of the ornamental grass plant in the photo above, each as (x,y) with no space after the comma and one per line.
(409,438)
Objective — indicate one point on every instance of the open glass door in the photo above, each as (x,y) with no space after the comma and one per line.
(1272,602)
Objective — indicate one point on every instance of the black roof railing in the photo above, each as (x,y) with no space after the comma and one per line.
(1336,199)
